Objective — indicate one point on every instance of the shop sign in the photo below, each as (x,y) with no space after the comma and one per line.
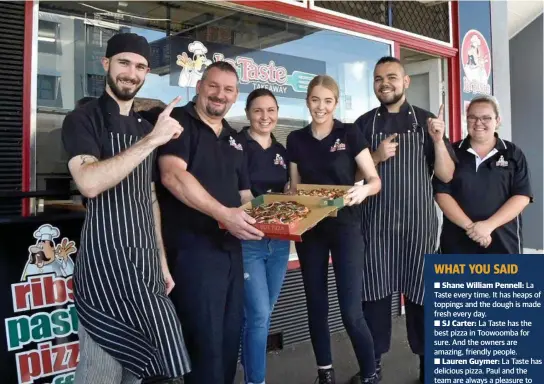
(40,343)
(475,52)
(285,75)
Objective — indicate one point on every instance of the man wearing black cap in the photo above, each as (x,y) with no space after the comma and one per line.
(128,326)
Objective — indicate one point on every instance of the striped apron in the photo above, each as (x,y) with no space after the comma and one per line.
(119,287)
(400,222)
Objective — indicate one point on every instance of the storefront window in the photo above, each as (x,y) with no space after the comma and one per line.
(272,53)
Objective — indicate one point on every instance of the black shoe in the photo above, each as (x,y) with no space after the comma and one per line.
(422,369)
(370,380)
(325,376)
(356,379)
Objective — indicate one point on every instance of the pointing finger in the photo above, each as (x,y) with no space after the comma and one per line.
(168,110)
(441,113)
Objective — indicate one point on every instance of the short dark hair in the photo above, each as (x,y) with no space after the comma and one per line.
(258,93)
(222,66)
(388,59)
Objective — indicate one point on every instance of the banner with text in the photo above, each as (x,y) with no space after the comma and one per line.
(474,52)
(484,319)
(285,75)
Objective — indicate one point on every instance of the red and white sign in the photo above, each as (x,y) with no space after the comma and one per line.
(476,62)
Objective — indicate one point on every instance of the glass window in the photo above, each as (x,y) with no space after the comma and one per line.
(185,38)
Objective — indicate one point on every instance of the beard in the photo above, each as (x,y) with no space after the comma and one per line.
(123,94)
(216,111)
(391,98)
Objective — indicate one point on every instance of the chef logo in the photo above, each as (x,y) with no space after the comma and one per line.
(501,162)
(48,257)
(338,146)
(233,143)
(476,58)
(279,161)
(192,67)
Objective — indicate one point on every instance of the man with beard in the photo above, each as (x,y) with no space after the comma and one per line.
(204,176)
(401,222)
(128,326)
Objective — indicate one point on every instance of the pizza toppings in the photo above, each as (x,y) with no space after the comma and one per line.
(333,193)
(278,212)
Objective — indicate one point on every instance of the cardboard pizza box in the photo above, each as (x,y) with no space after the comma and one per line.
(338,202)
(291,231)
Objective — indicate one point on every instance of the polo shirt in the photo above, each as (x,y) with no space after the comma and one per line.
(268,169)
(329,161)
(482,187)
(217,162)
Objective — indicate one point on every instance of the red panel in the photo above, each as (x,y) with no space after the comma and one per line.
(454,71)
(351,25)
(27,101)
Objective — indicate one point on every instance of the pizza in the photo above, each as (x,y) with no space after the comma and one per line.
(332,193)
(278,212)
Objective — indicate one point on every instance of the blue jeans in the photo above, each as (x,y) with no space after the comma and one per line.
(265,265)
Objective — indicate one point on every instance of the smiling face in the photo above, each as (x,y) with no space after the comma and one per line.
(390,83)
(125,74)
(263,114)
(217,92)
(321,103)
(482,121)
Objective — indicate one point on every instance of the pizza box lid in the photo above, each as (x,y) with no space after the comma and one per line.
(292,231)
(339,202)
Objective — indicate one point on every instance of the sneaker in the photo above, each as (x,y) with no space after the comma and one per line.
(370,380)
(356,379)
(325,376)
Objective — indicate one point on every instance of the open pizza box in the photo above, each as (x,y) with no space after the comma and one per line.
(339,202)
(291,231)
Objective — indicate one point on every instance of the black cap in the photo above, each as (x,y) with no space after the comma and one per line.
(128,42)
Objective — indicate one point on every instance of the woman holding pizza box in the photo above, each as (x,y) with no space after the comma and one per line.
(329,152)
(265,261)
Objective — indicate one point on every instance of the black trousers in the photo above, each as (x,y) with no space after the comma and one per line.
(208,297)
(378,318)
(346,245)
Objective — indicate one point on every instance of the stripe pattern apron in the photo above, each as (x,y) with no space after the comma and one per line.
(119,287)
(401,222)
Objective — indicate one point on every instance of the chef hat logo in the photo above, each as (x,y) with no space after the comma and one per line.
(46,232)
(198,48)
(475,40)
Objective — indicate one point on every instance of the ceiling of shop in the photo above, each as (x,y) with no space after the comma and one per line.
(521,14)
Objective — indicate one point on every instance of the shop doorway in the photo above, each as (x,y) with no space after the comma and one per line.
(427,90)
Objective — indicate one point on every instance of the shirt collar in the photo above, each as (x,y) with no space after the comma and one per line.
(336,124)
(500,145)
(245,131)
(108,104)
(227,129)
(404,110)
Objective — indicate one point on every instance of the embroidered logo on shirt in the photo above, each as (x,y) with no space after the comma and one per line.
(279,161)
(338,146)
(235,145)
(501,162)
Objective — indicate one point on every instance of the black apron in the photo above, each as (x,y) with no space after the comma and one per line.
(119,287)
(400,222)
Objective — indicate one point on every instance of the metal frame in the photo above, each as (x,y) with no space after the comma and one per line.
(30,72)
(368,22)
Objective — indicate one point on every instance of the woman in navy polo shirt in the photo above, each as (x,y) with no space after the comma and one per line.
(329,152)
(491,186)
(265,261)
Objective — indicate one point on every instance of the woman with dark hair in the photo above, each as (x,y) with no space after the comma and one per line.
(490,188)
(265,261)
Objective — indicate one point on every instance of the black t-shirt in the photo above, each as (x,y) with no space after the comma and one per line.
(404,121)
(86,130)
(329,161)
(482,191)
(268,168)
(216,162)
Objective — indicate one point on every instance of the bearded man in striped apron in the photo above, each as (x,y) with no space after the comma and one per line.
(129,329)
(401,222)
